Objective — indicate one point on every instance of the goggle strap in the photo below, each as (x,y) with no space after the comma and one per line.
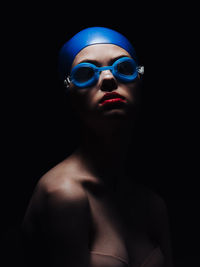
(140,70)
(67,82)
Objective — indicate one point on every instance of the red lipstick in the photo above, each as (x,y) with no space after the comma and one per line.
(112,97)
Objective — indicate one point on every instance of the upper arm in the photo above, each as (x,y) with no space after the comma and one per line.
(59,215)
(67,225)
(159,227)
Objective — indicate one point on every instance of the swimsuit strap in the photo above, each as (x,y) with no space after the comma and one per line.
(113,256)
(151,255)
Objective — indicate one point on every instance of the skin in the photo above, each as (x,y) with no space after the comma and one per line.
(58,216)
(102,129)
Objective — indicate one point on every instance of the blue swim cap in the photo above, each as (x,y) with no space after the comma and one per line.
(87,37)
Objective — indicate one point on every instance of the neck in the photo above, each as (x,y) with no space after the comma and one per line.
(104,151)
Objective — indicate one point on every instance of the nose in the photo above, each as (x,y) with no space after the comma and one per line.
(107,81)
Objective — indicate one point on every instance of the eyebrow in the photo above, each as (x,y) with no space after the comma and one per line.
(97,63)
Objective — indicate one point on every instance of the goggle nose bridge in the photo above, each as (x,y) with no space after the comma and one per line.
(100,69)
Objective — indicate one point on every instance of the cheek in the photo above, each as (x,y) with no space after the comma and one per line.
(131,92)
(83,101)
(90,100)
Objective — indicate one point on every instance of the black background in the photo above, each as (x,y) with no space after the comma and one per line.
(35,129)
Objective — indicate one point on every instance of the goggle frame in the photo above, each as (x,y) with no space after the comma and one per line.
(97,70)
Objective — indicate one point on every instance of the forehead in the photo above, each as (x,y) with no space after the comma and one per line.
(102,53)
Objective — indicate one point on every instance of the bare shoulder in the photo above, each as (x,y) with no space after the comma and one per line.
(55,191)
(57,219)
(154,204)
(60,181)
(158,223)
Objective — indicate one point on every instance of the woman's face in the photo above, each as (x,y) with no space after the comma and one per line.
(88,102)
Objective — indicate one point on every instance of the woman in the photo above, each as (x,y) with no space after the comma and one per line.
(84,211)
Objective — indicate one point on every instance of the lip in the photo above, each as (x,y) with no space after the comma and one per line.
(114,100)
(112,97)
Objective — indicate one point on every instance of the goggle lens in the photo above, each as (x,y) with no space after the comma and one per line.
(126,68)
(83,74)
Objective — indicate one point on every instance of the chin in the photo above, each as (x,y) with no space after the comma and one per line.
(115,113)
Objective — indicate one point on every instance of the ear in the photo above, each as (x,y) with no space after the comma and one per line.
(73,100)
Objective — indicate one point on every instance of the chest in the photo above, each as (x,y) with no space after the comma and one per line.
(118,226)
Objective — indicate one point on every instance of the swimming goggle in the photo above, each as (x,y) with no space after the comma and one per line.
(87,74)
